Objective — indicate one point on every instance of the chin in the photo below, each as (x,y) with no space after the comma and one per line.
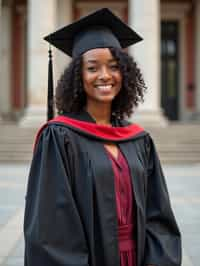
(106,99)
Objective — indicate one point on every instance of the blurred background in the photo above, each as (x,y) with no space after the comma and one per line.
(169,58)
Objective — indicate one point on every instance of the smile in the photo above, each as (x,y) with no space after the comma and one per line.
(104,87)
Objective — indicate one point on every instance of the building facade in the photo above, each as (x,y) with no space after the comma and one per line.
(169,56)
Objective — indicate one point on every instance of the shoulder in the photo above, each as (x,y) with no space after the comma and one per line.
(144,139)
(51,132)
(125,123)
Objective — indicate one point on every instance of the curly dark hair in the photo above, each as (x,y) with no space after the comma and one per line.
(71,97)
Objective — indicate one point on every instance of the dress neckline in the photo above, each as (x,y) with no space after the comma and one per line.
(117,158)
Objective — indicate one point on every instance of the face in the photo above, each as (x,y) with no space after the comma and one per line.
(102,78)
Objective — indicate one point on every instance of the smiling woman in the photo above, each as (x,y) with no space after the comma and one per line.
(96,192)
(87,78)
(102,78)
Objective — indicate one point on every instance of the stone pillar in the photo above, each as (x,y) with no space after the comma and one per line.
(145,19)
(5,59)
(0,46)
(0,11)
(64,17)
(197,63)
(41,21)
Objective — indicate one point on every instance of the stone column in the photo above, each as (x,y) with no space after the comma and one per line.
(0,44)
(5,59)
(41,21)
(64,17)
(197,63)
(145,19)
(0,12)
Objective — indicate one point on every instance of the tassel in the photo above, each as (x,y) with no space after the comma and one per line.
(50,101)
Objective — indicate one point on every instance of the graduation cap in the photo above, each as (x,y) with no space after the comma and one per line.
(100,29)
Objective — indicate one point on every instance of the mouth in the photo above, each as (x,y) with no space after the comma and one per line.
(104,88)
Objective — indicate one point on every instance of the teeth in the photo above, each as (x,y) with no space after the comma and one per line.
(104,87)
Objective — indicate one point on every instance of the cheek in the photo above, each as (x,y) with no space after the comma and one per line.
(87,80)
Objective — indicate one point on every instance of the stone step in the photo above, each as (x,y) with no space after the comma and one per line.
(189,138)
(175,143)
(166,156)
(161,148)
(177,159)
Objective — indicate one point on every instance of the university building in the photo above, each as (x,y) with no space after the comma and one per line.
(169,56)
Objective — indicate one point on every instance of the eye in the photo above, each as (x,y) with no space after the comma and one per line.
(92,68)
(114,67)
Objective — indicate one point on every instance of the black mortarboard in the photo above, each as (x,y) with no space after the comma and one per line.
(100,29)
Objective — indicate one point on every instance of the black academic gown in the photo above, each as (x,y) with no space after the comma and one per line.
(70,215)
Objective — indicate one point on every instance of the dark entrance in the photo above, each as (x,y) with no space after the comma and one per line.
(169,56)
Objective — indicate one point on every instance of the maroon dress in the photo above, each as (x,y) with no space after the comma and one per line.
(125,210)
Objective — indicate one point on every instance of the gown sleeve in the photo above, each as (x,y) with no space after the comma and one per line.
(163,239)
(53,231)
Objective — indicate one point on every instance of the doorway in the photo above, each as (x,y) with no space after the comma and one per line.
(170,69)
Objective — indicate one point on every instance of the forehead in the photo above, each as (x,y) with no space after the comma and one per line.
(98,54)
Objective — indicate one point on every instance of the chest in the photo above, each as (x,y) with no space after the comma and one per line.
(112,148)
(93,168)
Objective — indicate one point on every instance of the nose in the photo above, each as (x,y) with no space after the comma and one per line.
(104,74)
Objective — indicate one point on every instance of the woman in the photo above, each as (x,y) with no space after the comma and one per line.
(96,193)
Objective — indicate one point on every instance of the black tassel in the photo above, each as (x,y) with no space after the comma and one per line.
(50,100)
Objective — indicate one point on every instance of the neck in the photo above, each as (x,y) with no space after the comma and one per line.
(101,114)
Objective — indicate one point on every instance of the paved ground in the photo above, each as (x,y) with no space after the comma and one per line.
(183,183)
